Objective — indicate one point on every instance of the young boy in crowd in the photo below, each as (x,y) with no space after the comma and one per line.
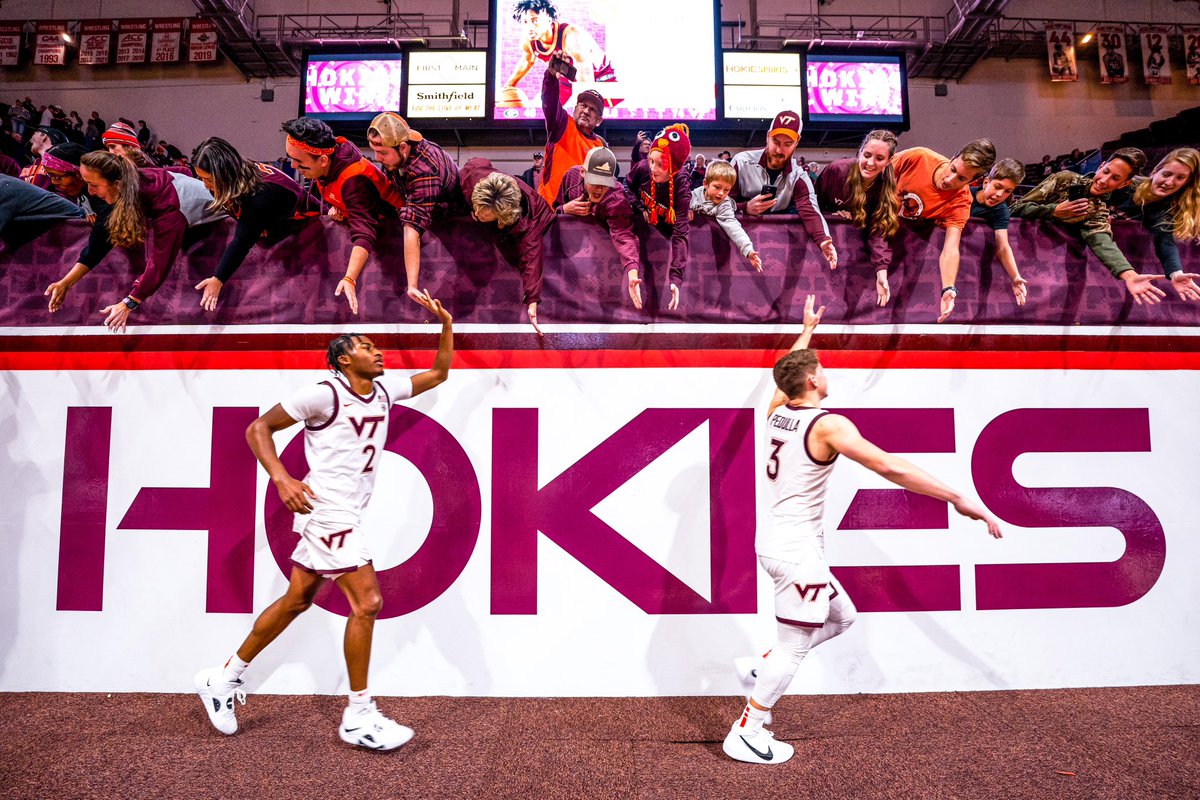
(1080,203)
(713,200)
(990,204)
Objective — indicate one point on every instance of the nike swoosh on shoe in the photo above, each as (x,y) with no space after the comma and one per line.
(767,756)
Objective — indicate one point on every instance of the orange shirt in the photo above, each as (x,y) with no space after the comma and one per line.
(567,152)
(919,198)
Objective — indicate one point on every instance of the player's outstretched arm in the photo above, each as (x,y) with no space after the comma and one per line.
(424,381)
(811,320)
(294,494)
(842,436)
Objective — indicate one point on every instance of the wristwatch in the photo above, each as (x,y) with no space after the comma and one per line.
(950,289)
(130,303)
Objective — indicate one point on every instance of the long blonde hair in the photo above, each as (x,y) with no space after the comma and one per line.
(886,220)
(127,222)
(1185,203)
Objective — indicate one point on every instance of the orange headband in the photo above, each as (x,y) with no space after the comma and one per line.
(308,148)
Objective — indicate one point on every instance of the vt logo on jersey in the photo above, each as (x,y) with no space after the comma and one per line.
(360,424)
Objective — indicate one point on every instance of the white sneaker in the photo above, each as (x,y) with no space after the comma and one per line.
(757,747)
(219,706)
(746,668)
(371,729)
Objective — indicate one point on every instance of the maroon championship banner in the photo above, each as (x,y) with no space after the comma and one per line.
(95,42)
(1060,49)
(10,43)
(1156,64)
(202,40)
(132,36)
(50,46)
(1191,53)
(168,33)
(1114,64)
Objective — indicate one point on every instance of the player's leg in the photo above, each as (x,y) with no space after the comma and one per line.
(362,723)
(842,614)
(361,588)
(219,687)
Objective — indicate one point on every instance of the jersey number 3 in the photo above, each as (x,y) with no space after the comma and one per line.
(773,459)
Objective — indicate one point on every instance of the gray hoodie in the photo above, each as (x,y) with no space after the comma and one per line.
(724,214)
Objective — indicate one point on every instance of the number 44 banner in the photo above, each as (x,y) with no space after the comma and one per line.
(1060,46)
(1156,66)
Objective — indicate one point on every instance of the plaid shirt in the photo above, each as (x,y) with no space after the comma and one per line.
(429,183)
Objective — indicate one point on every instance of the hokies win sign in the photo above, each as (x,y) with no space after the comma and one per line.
(590,532)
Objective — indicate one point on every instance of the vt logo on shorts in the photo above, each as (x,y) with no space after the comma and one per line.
(340,536)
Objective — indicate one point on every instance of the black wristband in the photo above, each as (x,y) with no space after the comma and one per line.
(950,289)
(130,303)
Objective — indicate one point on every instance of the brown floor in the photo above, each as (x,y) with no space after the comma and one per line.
(1097,743)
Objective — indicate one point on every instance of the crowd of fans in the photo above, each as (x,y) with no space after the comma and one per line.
(134,190)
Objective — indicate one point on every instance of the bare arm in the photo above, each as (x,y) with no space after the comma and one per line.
(811,320)
(348,285)
(948,267)
(840,435)
(424,381)
(1009,262)
(581,48)
(523,66)
(294,494)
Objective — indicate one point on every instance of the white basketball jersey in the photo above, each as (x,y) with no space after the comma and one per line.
(795,492)
(344,437)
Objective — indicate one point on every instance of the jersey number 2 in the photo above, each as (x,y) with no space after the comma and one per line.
(369,451)
(773,459)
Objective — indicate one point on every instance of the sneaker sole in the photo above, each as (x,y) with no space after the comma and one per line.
(351,739)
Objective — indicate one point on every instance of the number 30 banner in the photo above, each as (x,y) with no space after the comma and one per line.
(1114,64)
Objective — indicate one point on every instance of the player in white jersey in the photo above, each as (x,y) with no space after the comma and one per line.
(803,443)
(345,429)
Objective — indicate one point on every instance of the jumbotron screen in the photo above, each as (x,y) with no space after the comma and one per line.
(351,85)
(650,63)
(856,88)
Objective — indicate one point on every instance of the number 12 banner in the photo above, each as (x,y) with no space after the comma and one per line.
(1156,66)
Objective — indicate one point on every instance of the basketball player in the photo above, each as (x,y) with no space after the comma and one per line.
(548,36)
(345,430)
(803,443)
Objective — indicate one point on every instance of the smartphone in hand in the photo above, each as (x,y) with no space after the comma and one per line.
(770,190)
(562,67)
(1078,191)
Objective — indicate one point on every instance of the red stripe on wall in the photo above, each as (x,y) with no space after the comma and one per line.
(604,359)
